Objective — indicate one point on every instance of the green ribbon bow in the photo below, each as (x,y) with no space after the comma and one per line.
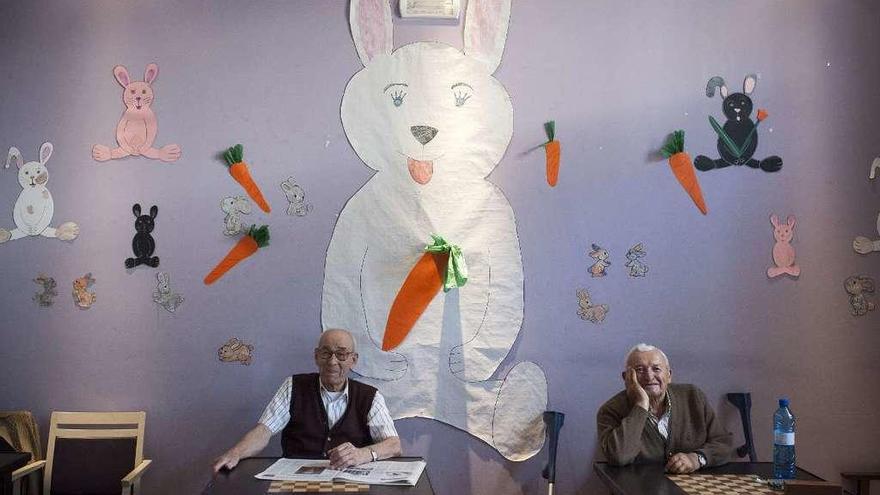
(456,269)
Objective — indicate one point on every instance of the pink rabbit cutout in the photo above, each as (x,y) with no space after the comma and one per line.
(783,252)
(138,126)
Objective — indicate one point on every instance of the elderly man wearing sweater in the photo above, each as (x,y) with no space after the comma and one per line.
(654,420)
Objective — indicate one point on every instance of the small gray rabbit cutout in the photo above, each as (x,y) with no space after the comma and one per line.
(163,295)
(46,297)
(296,198)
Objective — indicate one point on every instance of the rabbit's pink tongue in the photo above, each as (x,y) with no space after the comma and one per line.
(421,171)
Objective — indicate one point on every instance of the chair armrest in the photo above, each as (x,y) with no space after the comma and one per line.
(135,474)
(28,469)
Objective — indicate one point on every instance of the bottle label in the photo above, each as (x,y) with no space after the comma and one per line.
(783,438)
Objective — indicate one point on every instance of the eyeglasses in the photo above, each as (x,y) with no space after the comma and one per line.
(341,355)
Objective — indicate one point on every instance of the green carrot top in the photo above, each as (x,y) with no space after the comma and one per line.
(550,129)
(675,144)
(235,154)
(259,235)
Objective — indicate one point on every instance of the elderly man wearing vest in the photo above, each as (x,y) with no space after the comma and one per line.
(324,414)
(654,420)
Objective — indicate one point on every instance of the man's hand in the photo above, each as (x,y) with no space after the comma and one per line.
(345,455)
(634,391)
(228,460)
(682,463)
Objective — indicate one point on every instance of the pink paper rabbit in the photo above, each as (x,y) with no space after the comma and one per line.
(137,129)
(783,252)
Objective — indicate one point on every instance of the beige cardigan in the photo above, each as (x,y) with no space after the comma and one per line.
(626,436)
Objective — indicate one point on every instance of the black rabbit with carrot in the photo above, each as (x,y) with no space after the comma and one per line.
(738,139)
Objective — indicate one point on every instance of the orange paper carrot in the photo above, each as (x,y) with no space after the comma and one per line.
(683,168)
(551,149)
(238,169)
(255,239)
(418,290)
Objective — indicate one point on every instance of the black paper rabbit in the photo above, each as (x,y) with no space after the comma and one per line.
(740,128)
(142,243)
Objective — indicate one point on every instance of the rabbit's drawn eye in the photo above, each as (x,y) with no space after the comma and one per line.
(132,91)
(462,93)
(144,91)
(397,97)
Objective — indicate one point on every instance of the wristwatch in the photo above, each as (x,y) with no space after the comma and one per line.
(375,456)
(701,458)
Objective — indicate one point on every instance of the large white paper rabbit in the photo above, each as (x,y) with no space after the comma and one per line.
(433,122)
(34,208)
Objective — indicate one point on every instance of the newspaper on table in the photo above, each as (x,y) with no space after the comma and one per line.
(405,473)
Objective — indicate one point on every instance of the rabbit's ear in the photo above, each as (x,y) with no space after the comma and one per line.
(45,152)
(371,28)
(867,284)
(154,210)
(790,221)
(774,220)
(485,30)
(716,82)
(121,75)
(14,156)
(136,209)
(749,84)
(150,73)
(285,186)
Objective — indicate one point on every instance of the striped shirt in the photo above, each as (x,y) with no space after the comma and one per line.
(277,412)
(662,423)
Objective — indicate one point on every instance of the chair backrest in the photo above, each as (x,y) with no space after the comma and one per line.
(19,429)
(553,420)
(743,402)
(84,435)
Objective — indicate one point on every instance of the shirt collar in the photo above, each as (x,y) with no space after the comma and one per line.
(324,389)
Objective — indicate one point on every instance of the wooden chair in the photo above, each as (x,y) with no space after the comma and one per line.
(862,480)
(19,430)
(78,439)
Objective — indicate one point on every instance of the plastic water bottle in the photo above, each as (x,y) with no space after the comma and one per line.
(783,442)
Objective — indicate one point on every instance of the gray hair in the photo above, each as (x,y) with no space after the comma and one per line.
(643,347)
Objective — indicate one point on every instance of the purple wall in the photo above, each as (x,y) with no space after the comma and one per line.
(617,76)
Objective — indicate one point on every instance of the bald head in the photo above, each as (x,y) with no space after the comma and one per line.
(334,335)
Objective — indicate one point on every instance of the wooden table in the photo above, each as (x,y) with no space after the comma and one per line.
(9,462)
(650,478)
(241,481)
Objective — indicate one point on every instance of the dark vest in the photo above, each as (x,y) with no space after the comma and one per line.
(307,434)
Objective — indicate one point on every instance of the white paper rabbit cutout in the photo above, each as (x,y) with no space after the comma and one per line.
(433,122)
(138,127)
(34,208)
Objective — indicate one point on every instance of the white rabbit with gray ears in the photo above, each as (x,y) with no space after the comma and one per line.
(433,123)
(35,207)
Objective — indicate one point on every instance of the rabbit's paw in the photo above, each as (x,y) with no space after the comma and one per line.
(67,231)
(4,235)
(704,163)
(861,245)
(386,366)
(469,365)
(100,153)
(771,164)
(518,424)
(169,153)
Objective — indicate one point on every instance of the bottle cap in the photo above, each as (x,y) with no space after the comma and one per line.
(783,402)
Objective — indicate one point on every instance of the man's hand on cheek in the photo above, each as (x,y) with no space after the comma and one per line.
(347,455)
(682,463)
